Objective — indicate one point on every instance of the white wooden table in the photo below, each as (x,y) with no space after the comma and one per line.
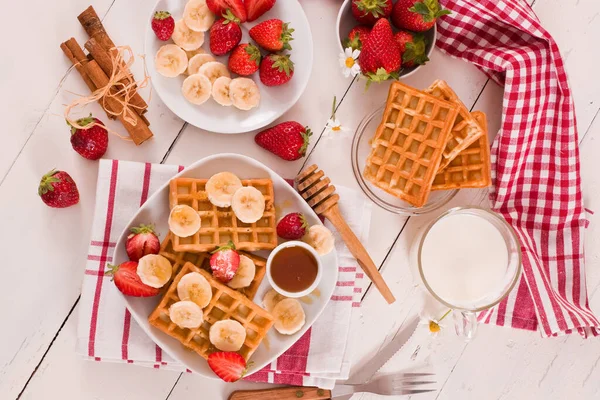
(44,250)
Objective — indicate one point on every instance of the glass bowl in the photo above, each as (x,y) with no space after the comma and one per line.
(361,147)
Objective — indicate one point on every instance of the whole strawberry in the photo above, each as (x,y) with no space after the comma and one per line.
(163,25)
(417,15)
(380,56)
(220,7)
(256,8)
(224,262)
(142,241)
(357,36)
(129,282)
(292,227)
(57,189)
(412,48)
(91,141)
(276,70)
(225,34)
(244,60)
(288,140)
(272,35)
(370,11)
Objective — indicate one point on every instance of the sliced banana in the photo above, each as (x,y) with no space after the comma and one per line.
(197,61)
(154,270)
(194,287)
(197,16)
(192,53)
(214,70)
(227,335)
(244,93)
(244,275)
(319,238)
(184,221)
(196,89)
(248,204)
(221,187)
(170,61)
(289,316)
(186,38)
(186,314)
(220,91)
(271,299)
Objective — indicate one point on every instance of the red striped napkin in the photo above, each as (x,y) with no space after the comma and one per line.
(106,331)
(535,158)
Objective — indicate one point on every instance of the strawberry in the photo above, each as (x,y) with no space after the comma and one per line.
(57,189)
(412,48)
(128,281)
(256,8)
(163,25)
(417,15)
(288,140)
(292,226)
(220,7)
(228,365)
(380,56)
(224,262)
(225,34)
(90,142)
(370,11)
(276,70)
(142,241)
(357,36)
(244,60)
(272,35)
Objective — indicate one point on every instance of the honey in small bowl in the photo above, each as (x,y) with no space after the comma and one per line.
(294,269)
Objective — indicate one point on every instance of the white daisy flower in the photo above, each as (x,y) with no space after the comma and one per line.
(434,325)
(334,127)
(349,62)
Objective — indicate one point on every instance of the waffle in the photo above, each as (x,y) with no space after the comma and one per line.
(202,260)
(471,168)
(219,224)
(465,130)
(226,303)
(407,147)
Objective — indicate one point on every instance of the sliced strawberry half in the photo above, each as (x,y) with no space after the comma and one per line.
(224,262)
(128,281)
(256,8)
(228,366)
(220,7)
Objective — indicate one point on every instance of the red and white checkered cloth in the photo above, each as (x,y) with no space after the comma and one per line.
(536,161)
(106,331)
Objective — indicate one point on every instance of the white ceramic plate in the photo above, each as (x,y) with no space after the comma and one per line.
(156,210)
(274,100)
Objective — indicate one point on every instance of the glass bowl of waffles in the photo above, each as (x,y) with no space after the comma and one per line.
(413,154)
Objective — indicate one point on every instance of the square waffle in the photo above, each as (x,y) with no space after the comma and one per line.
(202,261)
(465,130)
(226,303)
(471,168)
(407,147)
(219,224)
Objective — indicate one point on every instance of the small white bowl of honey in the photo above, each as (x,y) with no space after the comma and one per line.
(294,269)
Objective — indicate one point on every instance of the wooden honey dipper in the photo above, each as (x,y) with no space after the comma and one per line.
(315,188)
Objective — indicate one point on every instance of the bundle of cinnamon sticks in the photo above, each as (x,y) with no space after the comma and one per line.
(96,69)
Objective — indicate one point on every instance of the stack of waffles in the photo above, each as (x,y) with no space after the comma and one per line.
(428,140)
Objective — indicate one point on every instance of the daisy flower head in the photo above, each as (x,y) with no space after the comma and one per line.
(434,325)
(349,62)
(334,127)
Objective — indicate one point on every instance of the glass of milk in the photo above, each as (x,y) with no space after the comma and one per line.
(469,259)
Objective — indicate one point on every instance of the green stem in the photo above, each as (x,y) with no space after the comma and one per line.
(333,107)
(445,315)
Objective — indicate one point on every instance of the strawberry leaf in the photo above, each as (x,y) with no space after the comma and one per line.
(421,9)
(306,137)
(442,13)
(229,246)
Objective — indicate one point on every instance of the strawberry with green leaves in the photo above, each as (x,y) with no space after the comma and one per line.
(244,60)
(58,190)
(292,227)
(288,140)
(412,47)
(91,141)
(225,34)
(370,11)
(272,35)
(276,70)
(357,36)
(380,56)
(224,262)
(163,25)
(142,241)
(417,15)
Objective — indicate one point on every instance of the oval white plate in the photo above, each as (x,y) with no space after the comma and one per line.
(274,100)
(156,210)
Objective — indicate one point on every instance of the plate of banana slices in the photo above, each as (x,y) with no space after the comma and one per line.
(192,305)
(198,85)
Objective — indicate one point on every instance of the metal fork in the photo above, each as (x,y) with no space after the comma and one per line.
(407,383)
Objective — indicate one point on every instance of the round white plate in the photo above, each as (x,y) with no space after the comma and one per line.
(156,210)
(274,100)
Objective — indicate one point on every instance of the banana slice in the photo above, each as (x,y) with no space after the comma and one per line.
(197,61)
(319,238)
(186,38)
(186,314)
(214,70)
(196,89)
(244,275)
(271,299)
(192,53)
(221,187)
(184,221)
(220,91)
(154,270)
(170,61)
(197,16)
(289,316)
(227,335)
(244,93)
(194,287)
(248,204)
